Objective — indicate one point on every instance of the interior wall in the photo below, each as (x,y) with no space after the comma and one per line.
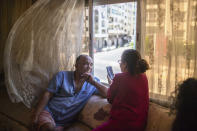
(10,10)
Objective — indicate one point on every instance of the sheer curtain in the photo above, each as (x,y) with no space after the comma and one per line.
(170,44)
(43,41)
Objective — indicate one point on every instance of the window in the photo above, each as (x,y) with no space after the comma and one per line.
(111,19)
(103,23)
(96,29)
(102,14)
(108,10)
(113,36)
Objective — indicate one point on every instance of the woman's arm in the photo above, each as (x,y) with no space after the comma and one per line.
(112,91)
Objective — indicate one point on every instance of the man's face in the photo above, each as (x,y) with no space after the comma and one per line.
(84,65)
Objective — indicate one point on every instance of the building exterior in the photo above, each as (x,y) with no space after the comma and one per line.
(114,25)
(100,26)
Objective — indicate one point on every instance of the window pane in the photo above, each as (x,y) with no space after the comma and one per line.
(114,28)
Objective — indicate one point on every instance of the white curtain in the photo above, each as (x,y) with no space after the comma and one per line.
(170,44)
(43,41)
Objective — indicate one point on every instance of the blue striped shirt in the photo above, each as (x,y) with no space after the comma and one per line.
(66,103)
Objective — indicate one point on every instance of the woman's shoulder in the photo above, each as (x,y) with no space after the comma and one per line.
(122,75)
(127,74)
(143,75)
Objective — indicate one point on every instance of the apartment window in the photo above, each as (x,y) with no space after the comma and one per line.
(103,23)
(96,29)
(113,36)
(102,14)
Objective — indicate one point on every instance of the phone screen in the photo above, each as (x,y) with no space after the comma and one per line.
(110,72)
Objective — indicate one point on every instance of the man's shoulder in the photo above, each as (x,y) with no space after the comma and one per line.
(63,73)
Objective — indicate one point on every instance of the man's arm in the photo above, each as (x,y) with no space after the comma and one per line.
(102,88)
(41,104)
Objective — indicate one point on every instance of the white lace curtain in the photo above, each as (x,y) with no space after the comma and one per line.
(169,44)
(43,41)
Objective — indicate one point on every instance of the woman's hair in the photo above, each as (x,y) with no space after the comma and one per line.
(185,105)
(135,64)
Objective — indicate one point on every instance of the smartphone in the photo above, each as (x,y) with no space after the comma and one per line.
(110,72)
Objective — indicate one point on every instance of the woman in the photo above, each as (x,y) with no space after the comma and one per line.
(128,95)
(185,105)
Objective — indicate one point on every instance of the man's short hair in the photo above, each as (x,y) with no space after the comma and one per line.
(78,58)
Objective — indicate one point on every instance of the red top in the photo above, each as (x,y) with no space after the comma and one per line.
(129,98)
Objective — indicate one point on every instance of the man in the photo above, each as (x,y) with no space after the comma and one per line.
(66,95)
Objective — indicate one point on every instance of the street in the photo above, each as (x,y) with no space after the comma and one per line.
(107,58)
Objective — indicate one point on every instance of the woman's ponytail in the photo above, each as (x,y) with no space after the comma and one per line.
(143,65)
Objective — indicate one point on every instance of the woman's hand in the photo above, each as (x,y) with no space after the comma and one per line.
(109,80)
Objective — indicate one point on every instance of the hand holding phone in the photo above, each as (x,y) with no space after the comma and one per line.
(110,72)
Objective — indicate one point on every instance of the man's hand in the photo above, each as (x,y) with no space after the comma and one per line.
(41,104)
(34,119)
(102,88)
(89,78)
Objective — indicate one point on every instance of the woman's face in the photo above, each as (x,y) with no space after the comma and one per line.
(123,66)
